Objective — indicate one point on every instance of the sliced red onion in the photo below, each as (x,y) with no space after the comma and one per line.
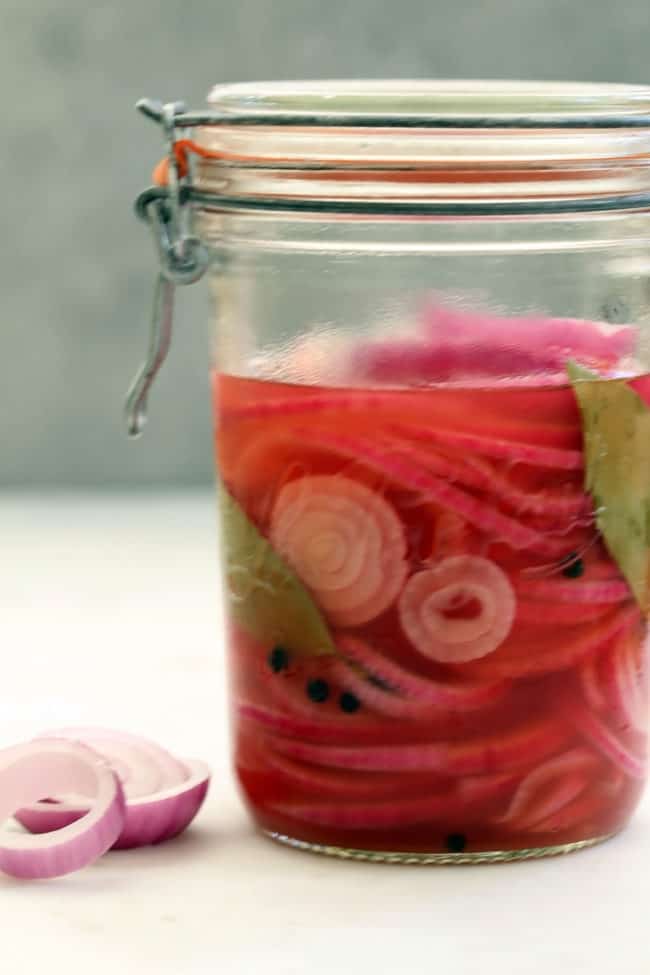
(47,767)
(178,806)
(142,766)
(148,819)
(150,816)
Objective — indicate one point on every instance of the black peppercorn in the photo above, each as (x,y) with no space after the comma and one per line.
(349,702)
(318,690)
(456,842)
(574,567)
(278,659)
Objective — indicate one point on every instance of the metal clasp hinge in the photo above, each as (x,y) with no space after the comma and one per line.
(183,259)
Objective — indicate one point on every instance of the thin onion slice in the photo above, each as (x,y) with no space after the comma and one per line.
(148,819)
(427,602)
(47,767)
(549,787)
(143,766)
(345,541)
(163,793)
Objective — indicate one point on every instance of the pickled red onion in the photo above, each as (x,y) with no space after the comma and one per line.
(450,536)
(503,752)
(438,694)
(555,783)
(581,810)
(550,614)
(591,683)
(377,699)
(626,682)
(429,598)
(527,652)
(616,683)
(354,785)
(560,458)
(47,767)
(605,740)
(346,543)
(508,344)
(574,591)
(336,731)
(392,462)
(399,812)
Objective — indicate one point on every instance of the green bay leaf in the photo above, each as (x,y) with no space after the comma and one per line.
(263,594)
(616,433)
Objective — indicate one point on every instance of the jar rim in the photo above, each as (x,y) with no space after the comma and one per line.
(426,103)
(444,146)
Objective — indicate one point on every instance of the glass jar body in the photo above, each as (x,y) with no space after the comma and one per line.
(435,648)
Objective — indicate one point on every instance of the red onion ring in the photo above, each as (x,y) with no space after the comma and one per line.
(163,794)
(143,766)
(50,766)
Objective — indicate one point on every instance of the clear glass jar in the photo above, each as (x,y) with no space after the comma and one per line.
(431,346)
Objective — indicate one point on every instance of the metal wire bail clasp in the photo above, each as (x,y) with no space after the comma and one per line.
(183,258)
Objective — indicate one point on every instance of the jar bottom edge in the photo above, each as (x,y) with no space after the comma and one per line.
(435,859)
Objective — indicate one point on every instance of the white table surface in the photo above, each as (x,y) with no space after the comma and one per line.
(109,615)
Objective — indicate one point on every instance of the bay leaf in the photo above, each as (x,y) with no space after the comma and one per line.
(263,594)
(616,432)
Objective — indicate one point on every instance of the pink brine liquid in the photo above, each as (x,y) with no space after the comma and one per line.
(482,685)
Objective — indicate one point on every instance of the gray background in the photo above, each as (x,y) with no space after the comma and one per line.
(76,268)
